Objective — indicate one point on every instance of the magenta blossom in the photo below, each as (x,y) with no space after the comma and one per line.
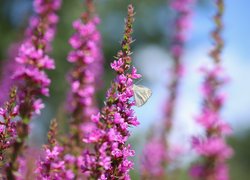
(154,157)
(8,125)
(84,79)
(154,166)
(87,58)
(30,77)
(54,164)
(33,58)
(212,147)
(10,67)
(109,158)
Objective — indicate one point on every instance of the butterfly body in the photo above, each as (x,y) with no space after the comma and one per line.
(141,94)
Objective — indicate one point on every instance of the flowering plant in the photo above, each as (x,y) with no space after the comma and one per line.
(94,142)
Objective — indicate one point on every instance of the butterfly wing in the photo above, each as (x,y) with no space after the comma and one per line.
(141,94)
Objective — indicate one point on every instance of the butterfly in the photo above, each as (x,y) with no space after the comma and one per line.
(141,94)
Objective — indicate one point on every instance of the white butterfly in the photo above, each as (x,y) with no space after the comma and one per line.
(141,94)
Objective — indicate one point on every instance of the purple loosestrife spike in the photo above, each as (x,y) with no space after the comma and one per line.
(109,157)
(42,8)
(9,67)
(27,164)
(84,78)
(52,165)
(183,9)
(154,166)
(154,155)
(31,79)
(213,148)
(8,125)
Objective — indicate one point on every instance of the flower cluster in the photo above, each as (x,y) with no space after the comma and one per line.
(46,20)
(9,68)
(87,60)
(27,164)
(212,147)
(30,77)
(33,58)
(84,79)
(182,11)
(96,144)
(154,157)
(109,157)
(8,129)
(53,165)
(46,11)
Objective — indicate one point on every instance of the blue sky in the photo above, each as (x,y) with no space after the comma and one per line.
(236,60)
(153,62)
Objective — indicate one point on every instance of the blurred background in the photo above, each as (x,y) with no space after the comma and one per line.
(152,33)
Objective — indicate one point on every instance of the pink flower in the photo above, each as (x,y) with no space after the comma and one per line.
(95,118)
(215,147)
(109,158)
(157,153)
(8,126)
(55,163)
(38,105)
(10,66)
(134,74)
(86,57)
(30,77)
(154,155)
(116,65)
(33,59)
(212,147)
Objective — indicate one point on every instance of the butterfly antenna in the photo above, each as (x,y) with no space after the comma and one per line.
(133,41)
(130,53)
(139,81)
